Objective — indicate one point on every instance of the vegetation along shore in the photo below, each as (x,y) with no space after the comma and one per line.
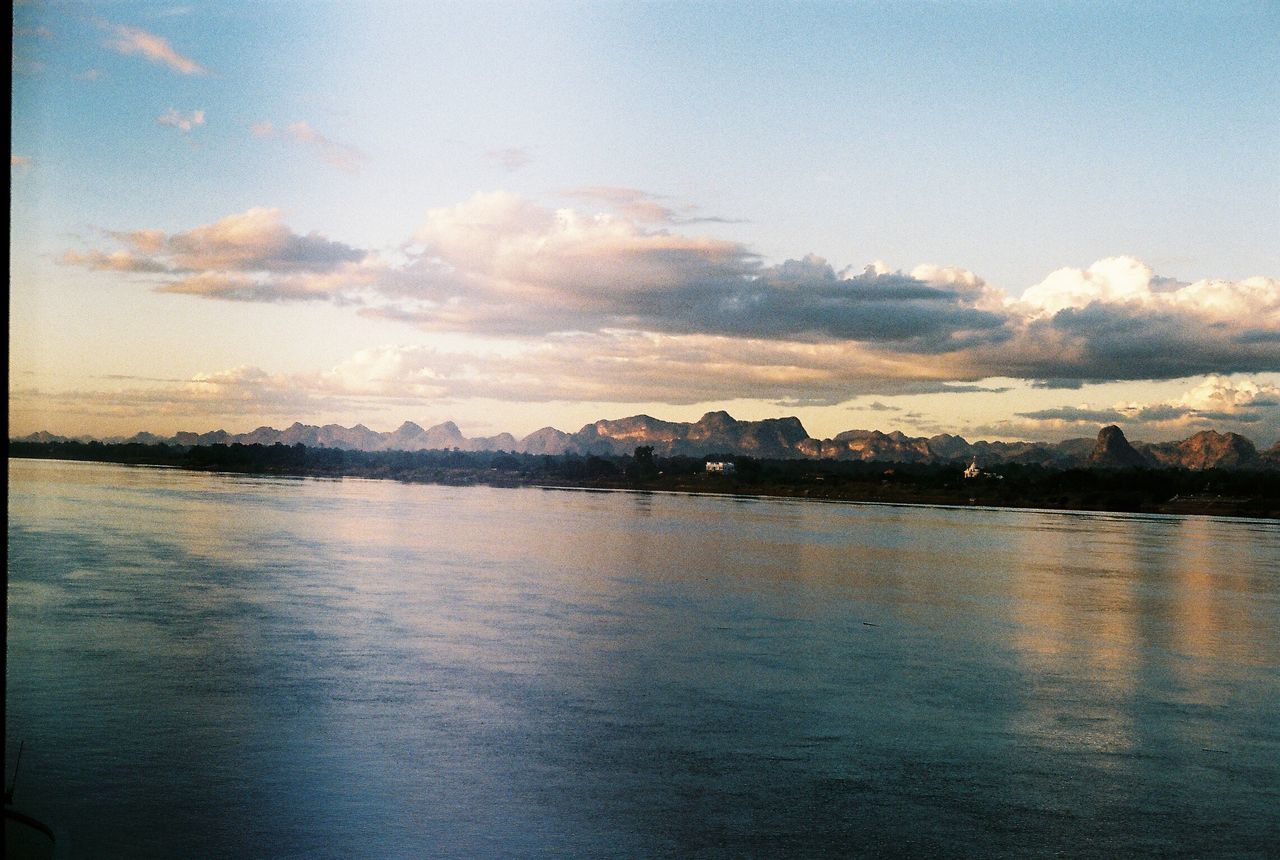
(1133,488)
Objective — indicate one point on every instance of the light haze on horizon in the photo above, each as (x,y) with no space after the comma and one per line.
(998,220)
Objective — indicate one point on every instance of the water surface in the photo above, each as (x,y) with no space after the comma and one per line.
(224,666)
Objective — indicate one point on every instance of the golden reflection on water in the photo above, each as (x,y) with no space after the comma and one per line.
(1074,624)
(1104,616)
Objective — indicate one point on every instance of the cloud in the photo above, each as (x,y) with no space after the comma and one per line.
(1248,404)
(236,287)
(21,66)
(241,393)
(250,256)
(511,159)
(628,202)
(1223,394)
(630,367)
(643,207)
(115,261)
(1127,285)
(340,285)
(90,75)
(501,264)
(1077,415)
(632,307)
(20,163)
(132,40)
(182,122)
(255,240)
(339,155)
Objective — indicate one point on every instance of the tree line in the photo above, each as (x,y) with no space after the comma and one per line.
(1011,484)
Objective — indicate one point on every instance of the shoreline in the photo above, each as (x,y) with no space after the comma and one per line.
(986,495)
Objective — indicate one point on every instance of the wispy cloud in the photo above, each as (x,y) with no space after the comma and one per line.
(156,49)
(342,156)
(241,393)
(20,65)
(90,75)
(511,159)
(115,261)
(643,206)
(20,163)
(182,122)
(630,368)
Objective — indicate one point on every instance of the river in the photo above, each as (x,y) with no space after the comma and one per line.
(208,665)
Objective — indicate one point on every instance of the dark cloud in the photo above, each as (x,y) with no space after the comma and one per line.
(1116,342)
(1072,413)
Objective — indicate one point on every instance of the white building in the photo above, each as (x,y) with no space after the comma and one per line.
(973,471)
(720,466)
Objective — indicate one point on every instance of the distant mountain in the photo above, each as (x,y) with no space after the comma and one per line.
(719,433)
(43,436)
(406,437)
(1208,449)
(1113,451)
(145,439)
(548,440)
(715,432)
(216,437)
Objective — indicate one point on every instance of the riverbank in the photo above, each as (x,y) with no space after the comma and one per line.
(1211,493)
(1187,505)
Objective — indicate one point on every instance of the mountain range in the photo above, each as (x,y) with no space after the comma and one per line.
(780,438)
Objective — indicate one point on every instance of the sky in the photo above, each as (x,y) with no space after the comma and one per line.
(1004,220)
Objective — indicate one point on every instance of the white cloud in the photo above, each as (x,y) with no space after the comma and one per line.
(1130,283)
(1115,280)
(1231,396)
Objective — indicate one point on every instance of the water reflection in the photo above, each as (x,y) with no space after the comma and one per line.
(479,672)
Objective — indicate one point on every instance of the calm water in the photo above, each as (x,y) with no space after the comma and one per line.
(218,666)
